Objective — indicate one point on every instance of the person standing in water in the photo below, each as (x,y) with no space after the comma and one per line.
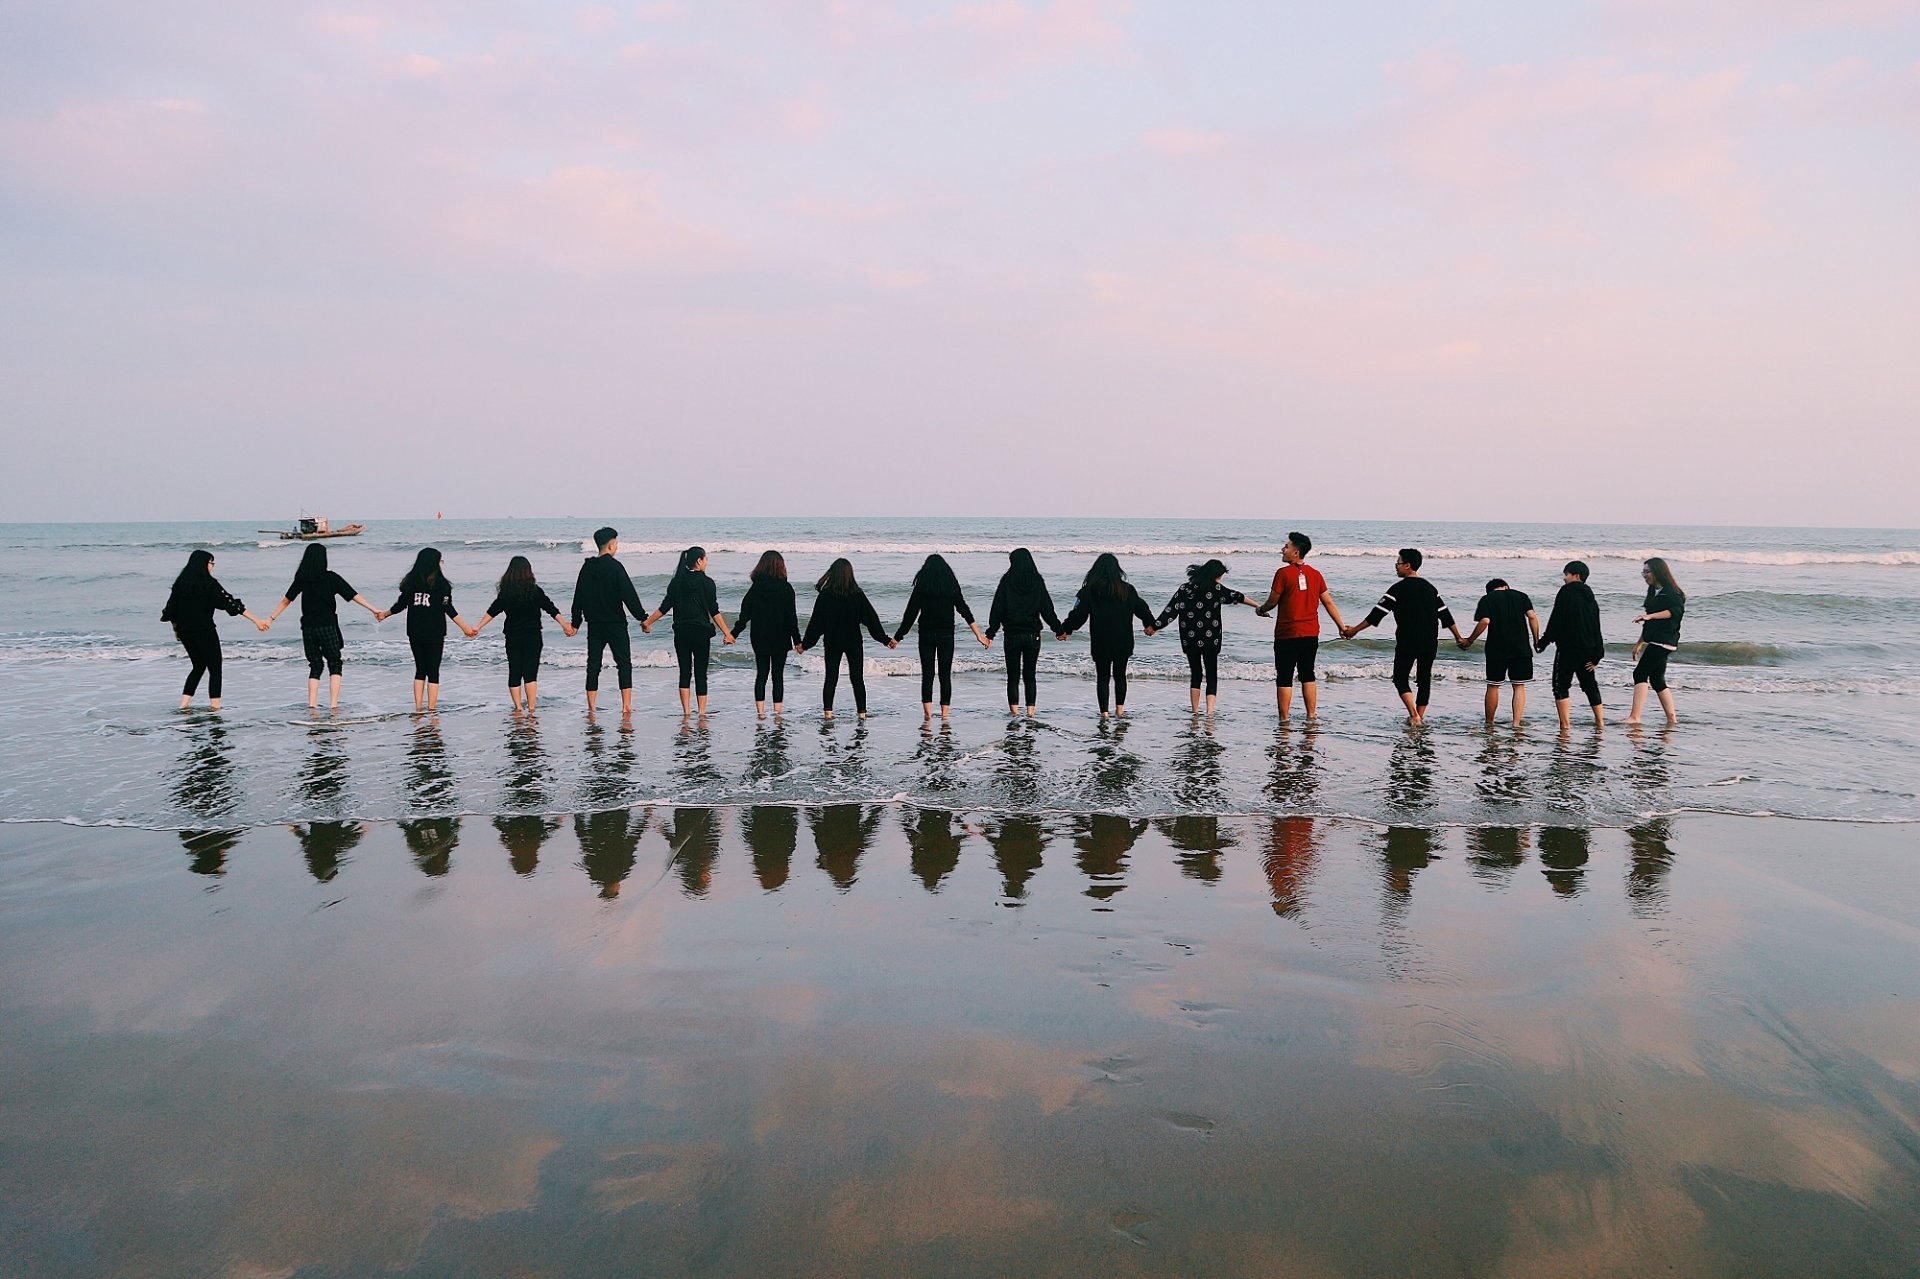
(840,610)
(1299,592)
(1197,604)
(317,587)
(1659,620)
(427,599)
(1108,603)
(935,600)
(195,598)
(772,623)
(603,595)
(1505,616)
(694,602)
(520,598)
(1418,614)
(1020,604)
(1573,628)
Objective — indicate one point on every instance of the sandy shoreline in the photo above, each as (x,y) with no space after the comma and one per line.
(871,1039)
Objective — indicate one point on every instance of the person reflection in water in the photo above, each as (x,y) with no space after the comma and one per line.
(1017,848)
(934,835)
(325,845)
(523,837)
(207,850)
(841,833)
(772,832)
(1293,854)
(1101,847)
(432,840)
(1563,858)
(1199,840)
(204,782)
(1495,852)
(608,844)
(1652,858)
(694,836)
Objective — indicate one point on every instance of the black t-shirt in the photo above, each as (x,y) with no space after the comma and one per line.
(523,610)
(317,595)
(1418,614)
(1505,612)
(427,610)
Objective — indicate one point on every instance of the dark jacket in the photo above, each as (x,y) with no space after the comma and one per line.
(840,617)
(523,610)
(693,599)
(192,604)
(1574,625)
(427,611)
(602,590)
(769,609)
(936,615)
(1663,630)
(1019,609)
(1112,618)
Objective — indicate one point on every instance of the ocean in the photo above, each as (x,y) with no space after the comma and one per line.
(1795,683)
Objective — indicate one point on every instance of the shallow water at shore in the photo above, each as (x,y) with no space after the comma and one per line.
(877,1039)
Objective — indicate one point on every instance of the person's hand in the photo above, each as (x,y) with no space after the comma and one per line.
(1262,611)
(1150,629)
(646,628)
(263,625)
(987,642)
(1637,648)
(1639,617)
(732,638)
(1592,665)
(378,616)
(893,643)
(1539,646)
(473,632)
(1060,635)
(799,648)
(984,641)
(1464,642)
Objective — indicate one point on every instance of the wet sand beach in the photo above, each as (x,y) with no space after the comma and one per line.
(874,1039)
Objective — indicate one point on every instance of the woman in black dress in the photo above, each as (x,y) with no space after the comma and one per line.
(1197,604)
(772,624)
(195,598)
(1110,603)
(934,601)
(317,587)
(840,610)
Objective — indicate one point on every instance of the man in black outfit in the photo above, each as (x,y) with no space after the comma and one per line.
(1574,629)
(600,593)
(1418,614)
(1506,617)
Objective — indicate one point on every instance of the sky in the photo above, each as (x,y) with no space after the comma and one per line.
(1627,260)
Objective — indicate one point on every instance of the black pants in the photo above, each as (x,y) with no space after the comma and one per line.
(693,652)
(1652,667)
(1418,664)
(1107,668)
(1023,662)
(324,648)
(770,663)
(523,659)
(427,652)
(203,651)
(856,673)
(936,655)
(1565,671)
(1203,664)
(621,644)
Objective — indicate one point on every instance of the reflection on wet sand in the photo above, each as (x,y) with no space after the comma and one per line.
(207,849)
(1017,848)
(323,772)
(934,758)
(1197,766)
(841,833)
(1495,852)
(1293,854)
(1564,853)
(1018,771)
(694,836)
(693,766)
(523,838)
(1652,859)
(608,846)
(1293,775)
(1101,844)
(772,832)
(1410,770)
(432,840)
(1573,771)
(526,776)
(1200,841)
(1405,851)
(1113,769)
(607,779)
(429,776)
(933,836)
(204,781)
(770,759)
(325,845)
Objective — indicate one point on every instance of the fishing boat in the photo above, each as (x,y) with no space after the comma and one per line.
(311,528)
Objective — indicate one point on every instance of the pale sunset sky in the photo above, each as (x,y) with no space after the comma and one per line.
(1627,260)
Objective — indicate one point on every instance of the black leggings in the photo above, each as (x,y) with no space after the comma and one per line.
(617,639)
(523,659)
(203,651)
(1566,671)
(427,652)
(856,674)
(693,652)
(771,663)
(1420,666)
(1114,669)
(1203,664)
(936,652)
(1023,661)
(1652,667)
(324,649)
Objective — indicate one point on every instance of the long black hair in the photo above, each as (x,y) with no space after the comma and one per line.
(1105,580)
(685,569)
(838,579)
(1022,572)
(196,570)
(313,563)
(935,580)
(1662,581)
(518,580)
(772,565)
(1201,576)
(425,575)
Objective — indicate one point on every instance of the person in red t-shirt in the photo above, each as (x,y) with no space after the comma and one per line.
(1300,593)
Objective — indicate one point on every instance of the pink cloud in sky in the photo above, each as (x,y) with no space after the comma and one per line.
(583,219)
(110,147)
(1178,142)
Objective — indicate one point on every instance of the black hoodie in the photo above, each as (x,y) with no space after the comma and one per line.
(602,590)
(1575,624)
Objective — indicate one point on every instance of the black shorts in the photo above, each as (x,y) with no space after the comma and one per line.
(1295,655)
(1509,668)
(1652,667)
